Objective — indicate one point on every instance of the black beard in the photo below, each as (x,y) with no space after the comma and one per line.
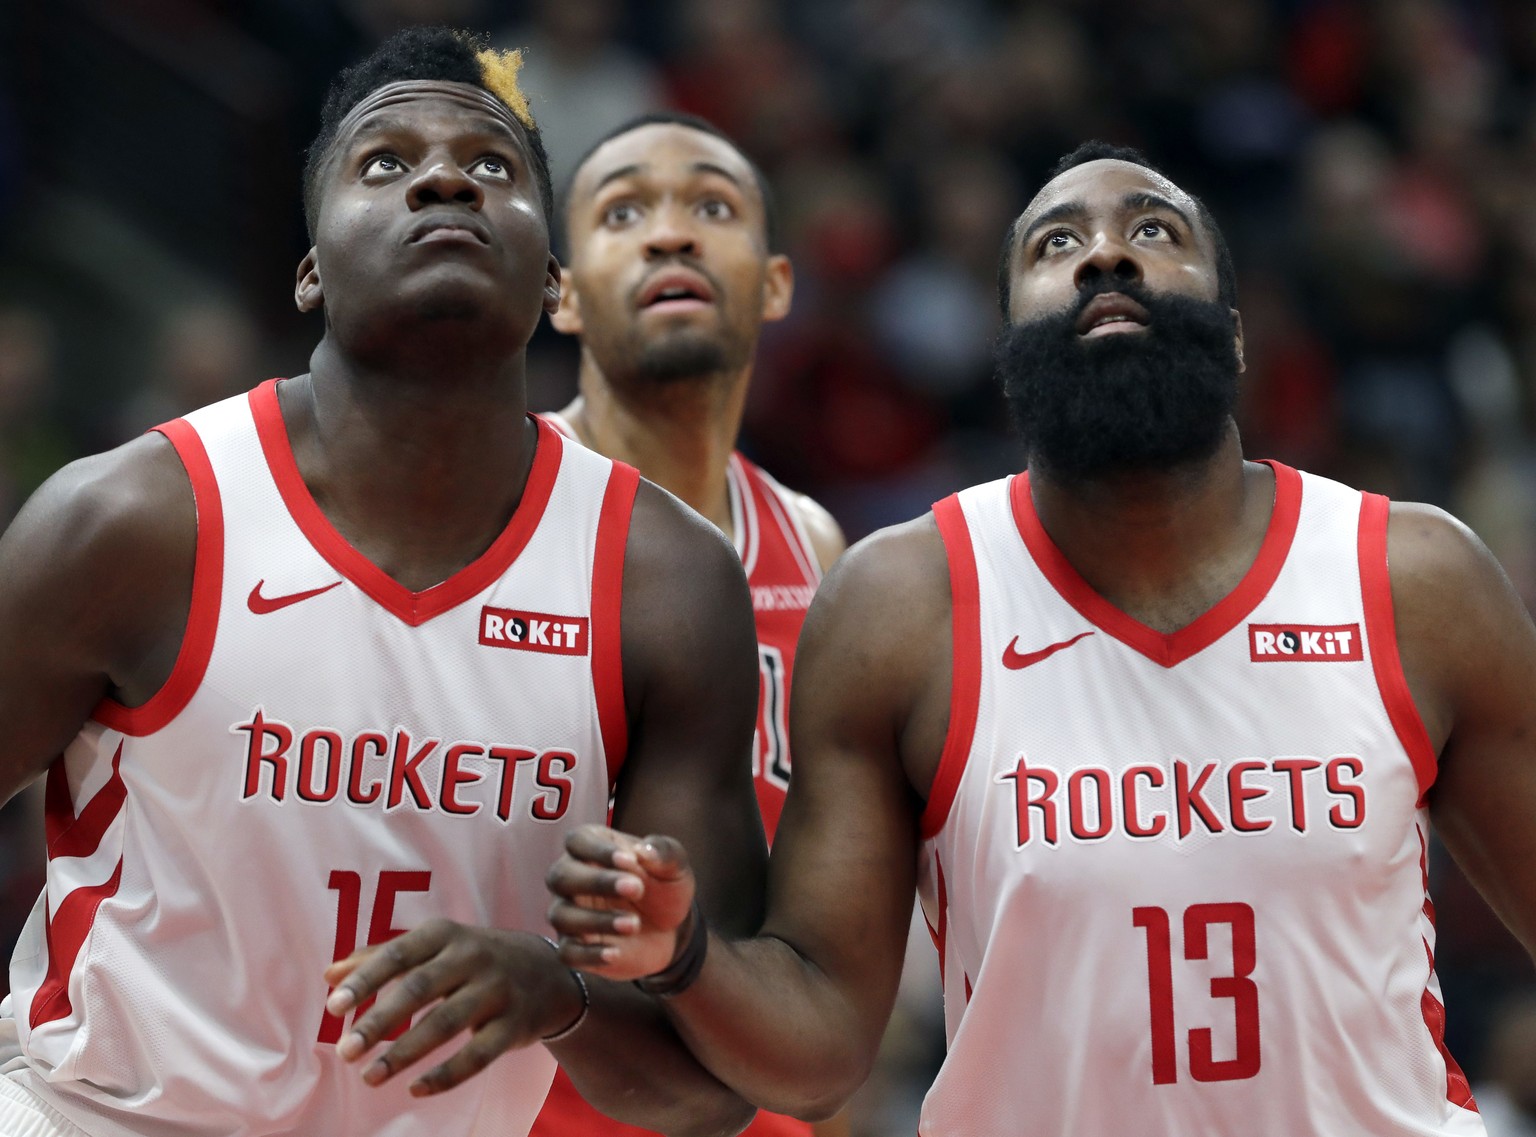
(1121,403)
(671,359)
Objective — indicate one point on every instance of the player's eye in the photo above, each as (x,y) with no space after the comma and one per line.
(717,209)
(382,164)
(620,213)
(1056,240)
(493,167)
(1153,230)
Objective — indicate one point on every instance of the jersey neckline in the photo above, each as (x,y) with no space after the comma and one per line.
(1166,648)
(411,607)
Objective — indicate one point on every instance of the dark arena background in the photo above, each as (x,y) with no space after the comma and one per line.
(1372,163)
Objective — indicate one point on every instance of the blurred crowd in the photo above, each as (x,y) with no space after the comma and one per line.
(1372,163)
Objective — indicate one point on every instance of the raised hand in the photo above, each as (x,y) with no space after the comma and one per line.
(623,904)
(506,989)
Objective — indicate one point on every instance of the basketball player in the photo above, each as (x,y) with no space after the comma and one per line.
(348,655)
(671,273)
(1168,728)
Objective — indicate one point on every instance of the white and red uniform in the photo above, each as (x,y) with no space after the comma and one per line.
(783,572)
(1178,881)
(334,759)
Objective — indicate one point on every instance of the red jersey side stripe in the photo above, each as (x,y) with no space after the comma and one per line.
(797,544)
(965,678)
(203,614)
(66,931)
(69,835)
(1381,636)
(608,612)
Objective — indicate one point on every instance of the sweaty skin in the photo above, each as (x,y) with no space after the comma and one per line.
(791,1018)
(432,267)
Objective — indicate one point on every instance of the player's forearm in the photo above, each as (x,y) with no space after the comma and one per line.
(629,1063)
(771,1025)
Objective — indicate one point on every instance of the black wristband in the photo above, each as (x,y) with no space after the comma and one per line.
(679,975)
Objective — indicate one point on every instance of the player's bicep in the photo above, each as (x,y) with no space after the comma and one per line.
(691,678)
(845,856)
(1469,648)
(89,588)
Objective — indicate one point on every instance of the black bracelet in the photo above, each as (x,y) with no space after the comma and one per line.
(679,975)
(586,1000)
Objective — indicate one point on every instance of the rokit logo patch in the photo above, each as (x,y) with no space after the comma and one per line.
(1304,643)
(533,631)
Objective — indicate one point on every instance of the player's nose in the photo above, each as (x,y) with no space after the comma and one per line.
(441,180)
(1108,254)
(671,234)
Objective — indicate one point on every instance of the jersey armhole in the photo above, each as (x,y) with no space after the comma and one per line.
(203,614)
(608,613)
(965,678)
(1381,635)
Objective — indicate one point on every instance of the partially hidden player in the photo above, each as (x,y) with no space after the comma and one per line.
(671,271)
(347,656)
(1168,728)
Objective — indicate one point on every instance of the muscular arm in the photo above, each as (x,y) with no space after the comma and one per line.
(1469,653)
(95,583)
(691,690)
(792,1018)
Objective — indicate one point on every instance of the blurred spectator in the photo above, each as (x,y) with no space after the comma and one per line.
(206,352)
(32,444)
(581,80)
(1507,1100)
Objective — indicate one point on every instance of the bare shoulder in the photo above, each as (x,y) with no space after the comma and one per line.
(827,539)
(95,586)
(120,516)
(1460,623)
(673,548)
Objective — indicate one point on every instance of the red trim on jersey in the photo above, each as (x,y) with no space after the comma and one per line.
(1166,649)
(1381,634)
(941,933)
(798,545)
(202,614)
(559,422)
(608,613)
(1458,1091)
(69,835)
(66,930)
(965,678)
(413,608)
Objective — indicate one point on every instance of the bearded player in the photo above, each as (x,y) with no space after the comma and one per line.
(1166,731)
(671,273)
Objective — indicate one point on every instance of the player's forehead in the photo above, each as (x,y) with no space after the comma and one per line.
(416,101)
(661,151)
(1104,186)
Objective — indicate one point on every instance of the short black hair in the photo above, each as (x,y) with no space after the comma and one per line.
(704,126)
(1097,151)
(428,53)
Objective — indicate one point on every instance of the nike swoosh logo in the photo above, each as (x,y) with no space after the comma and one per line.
(1014,660)
(261,605)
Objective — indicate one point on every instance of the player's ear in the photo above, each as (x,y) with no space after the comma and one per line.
(566,317)
(307,293)
(552,281)
(1237,333)
(778,288)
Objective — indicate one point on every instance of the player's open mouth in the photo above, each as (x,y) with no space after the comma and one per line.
(1111,313)
(676,290)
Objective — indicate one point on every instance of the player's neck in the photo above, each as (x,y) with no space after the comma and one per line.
(420,478)
(1162,547)
(679,435)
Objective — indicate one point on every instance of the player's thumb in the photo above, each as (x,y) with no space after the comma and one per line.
(664,858)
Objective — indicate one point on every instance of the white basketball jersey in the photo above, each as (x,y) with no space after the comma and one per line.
(334,759)
(1178,882)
